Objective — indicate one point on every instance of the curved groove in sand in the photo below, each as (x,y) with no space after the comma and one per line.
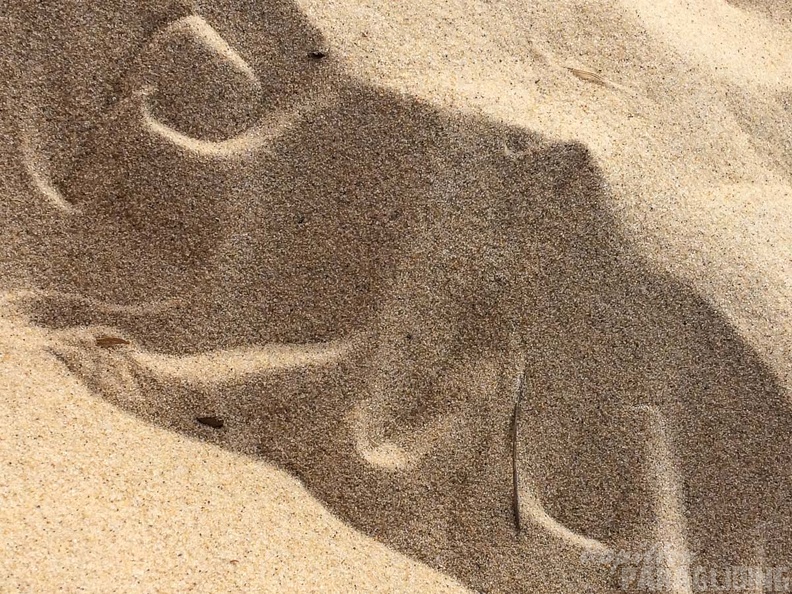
(256,138)
(532,510)
(529,508)
(35,165)
(196,27)
(222,366)
(392,456)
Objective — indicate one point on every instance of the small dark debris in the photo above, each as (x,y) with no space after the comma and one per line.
(317,55)
(515,439)
(409,336)
(108,342)
(213,422)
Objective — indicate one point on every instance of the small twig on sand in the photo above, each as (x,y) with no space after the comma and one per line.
(588,76)
(108,342)
(515,477)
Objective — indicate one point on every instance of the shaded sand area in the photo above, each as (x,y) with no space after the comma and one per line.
(483,293)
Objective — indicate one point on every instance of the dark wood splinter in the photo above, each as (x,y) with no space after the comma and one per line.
(213,422)
(108,342)
(515,476)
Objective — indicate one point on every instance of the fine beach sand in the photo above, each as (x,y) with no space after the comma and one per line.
(358,232)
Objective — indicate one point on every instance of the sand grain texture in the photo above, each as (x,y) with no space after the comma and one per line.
(349,231)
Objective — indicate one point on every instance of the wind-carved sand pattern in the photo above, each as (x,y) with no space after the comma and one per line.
(195,33)
(259,136)
(82,350)
(660,474)
(377,255)
(190,39)
(392,455)
(191,29)
(206,370)
(669,499)
(197,29)
(36,166)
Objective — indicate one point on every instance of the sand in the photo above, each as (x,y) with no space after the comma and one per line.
(351,231)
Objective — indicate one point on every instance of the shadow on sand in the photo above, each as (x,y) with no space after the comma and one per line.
(418,261)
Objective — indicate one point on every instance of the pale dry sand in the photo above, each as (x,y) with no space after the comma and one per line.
(352,256)
(96,501)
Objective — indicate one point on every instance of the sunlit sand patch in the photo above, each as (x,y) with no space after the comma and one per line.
(698,29)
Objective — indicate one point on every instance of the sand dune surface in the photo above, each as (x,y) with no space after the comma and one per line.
(417,296)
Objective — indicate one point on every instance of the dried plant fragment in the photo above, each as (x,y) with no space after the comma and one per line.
(108,342)
(588,76)
(213,422)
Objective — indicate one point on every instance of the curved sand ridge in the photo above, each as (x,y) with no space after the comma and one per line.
(258,136)
(346,275)
(190,39)
(195,29)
